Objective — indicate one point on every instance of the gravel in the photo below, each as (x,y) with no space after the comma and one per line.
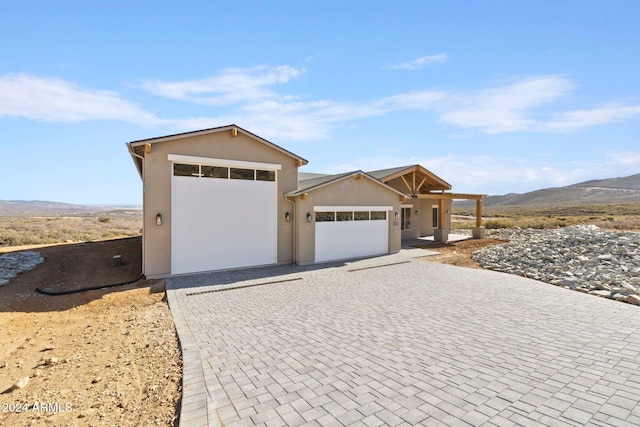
(17,262)
(583,257)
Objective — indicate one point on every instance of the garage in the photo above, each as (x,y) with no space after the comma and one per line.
(343,232)
(224,214)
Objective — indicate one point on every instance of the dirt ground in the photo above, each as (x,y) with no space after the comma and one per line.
(102,357)
(459,253)
(106,357)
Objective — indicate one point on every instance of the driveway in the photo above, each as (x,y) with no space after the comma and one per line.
(396,340)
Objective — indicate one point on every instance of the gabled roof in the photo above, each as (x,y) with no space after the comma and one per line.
(319,181)
(420,177)
(136,148)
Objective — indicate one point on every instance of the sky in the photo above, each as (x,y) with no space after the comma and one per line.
(493,96)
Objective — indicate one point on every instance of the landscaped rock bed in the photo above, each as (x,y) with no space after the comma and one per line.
(583,257)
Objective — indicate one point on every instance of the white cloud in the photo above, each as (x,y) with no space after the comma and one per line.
(419,63)
(56,100)
(231,86)
(507,108)
(496,175)
(579,119)
(250,100)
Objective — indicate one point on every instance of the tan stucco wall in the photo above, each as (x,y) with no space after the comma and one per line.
(347,192)
(157,190)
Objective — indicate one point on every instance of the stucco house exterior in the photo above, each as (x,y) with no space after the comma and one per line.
(225,198)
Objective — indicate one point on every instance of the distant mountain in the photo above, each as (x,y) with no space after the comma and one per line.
(593,192)
(45,208)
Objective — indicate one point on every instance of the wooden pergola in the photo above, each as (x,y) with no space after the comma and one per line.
(441,197)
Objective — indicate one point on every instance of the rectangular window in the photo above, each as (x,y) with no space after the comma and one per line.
(180,169)
(405,223)
(361,215)
(215,172)
(265,175)
(378,215)
(325,216)
(246,174)
(344,216)
(434,216)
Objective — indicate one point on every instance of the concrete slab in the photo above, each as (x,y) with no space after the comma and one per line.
(399,341)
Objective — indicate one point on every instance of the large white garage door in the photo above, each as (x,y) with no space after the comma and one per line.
(224,214)
(351,231)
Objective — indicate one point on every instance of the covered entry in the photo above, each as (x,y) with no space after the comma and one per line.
(223,214)
(350,231)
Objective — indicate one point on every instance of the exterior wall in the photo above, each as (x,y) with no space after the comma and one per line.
(347,192)
(426,216)
(416,225)
(157,190)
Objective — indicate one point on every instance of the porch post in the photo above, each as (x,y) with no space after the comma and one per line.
(479,232)
(439,234)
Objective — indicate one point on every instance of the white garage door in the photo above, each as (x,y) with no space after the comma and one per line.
(351,231)
(224,214)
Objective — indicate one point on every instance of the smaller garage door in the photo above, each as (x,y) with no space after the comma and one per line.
(350,231)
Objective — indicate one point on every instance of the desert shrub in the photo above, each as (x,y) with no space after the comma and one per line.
(494,224)
(104,219)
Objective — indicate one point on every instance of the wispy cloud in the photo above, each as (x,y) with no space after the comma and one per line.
(56,100)
(230,86)
(250,98)
(506,108)
(479,174)
(419,63)
(574,120)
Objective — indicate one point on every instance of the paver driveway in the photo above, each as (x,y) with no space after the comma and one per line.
(412,343)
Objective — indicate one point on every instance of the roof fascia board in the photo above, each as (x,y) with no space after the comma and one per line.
(216,130)
(347,176)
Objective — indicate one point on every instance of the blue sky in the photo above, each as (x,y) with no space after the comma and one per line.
(493,96)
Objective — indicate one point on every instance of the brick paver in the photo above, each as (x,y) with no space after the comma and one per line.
(410,343)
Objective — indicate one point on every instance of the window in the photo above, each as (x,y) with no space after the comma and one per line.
(361,215)
(325,216)
(180,169)
(378,215)
(405,223)
(434,216)
(237,173)
(262,175)
(214,172)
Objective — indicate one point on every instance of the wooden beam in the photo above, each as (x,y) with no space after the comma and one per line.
(478,212)
(421,182)
(441,213)
(414,183)
(406,183)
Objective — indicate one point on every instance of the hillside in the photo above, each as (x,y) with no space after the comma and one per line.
(593,192)
(31,208)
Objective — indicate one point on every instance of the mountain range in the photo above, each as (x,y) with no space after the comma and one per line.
(25,208)
(593,192)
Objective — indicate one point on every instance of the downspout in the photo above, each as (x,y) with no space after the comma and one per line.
(142,170)
(293,223)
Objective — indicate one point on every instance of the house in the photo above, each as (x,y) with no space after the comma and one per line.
(225,198)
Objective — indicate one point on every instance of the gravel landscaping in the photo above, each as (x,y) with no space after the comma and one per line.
(583,258)
(17,262)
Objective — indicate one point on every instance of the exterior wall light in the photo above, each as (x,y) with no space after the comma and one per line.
(309,217)
(397,216)
(287,217)
(158,218)
(416,212)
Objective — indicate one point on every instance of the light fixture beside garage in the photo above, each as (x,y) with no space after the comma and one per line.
(158,218)
(287,217)
(397,216)
(309,216)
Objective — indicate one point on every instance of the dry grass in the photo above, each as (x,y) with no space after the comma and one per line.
(19,231)
(616,217)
